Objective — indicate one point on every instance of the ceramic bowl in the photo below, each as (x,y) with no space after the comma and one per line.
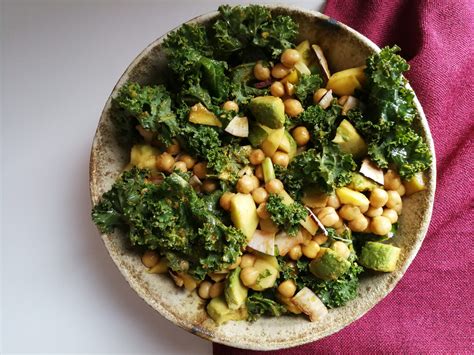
(344,48)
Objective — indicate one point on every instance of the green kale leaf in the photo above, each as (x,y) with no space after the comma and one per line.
(242,84)
(306,87)
(263,303)
(170,217)
(251,31)
(149,106)
(386,122)
(287,217)
(330,168)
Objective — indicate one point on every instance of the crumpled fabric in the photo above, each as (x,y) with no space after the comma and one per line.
(430,311)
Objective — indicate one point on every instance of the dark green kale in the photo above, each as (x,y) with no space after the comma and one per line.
(386,123)
(334,293)
(287,217)
(321,123)
(263,304)
(196,74)
(329,168)
(170,217)
(243,83)
(306,86)
(227,161)
(149,106)
(250,32)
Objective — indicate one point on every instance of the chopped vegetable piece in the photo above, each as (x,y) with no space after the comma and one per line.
(380,257)
(351,197)
(323,64)
(239,127)
(243,213)
(235,292)
(263,242)
(310,304)
(371,171)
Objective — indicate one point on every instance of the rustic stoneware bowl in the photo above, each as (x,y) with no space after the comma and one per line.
(344,48)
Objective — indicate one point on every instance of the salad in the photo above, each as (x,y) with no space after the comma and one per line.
(258,178)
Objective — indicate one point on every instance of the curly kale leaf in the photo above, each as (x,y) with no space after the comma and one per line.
(386,122)
(149,106)
(242,32)
(306,86)
(263,303)
(330,168)
(170,217)
(227,161)
(287,217)
(334,293)
(242,83)
(196,72)
(320,123)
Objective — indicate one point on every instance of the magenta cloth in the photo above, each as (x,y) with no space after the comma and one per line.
(431,309)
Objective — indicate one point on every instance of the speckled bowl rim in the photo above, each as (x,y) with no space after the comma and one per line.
(306,338)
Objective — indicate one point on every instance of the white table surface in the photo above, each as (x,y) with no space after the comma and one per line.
(61,292)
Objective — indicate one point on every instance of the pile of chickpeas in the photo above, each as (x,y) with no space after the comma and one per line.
(377,217)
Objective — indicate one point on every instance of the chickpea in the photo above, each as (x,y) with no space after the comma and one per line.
(378,197)
(256,156)
(259,172)
(174,148)
(188,160)
(333,201)
(401,190)
(247,260)
(200,170)
(359,224)
(180,166)
(311,249)
(260,72)
(392,180)
(318,95)
(295,253)
(290,57)
(262,211)
(380,225)
(293,107)
(363,208)
(224,201)
(280,158)
(216,290)
(301,135)
(328,216)
(287,288)
(217,277)
(249,276)
(203,290)
(339,224)
(320,238)
(393,199)
(277,89)
(259,195)
(245,184)
(398,208)
(237,263)
(274,186)
(341,248)
(374,211)
(279,71)
(231,105)
(150,258)
(209,185)
(342,100)
(349,212)
(165,162)
(392,215)
(256,182)
(184,265)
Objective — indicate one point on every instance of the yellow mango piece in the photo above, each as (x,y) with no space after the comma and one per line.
(199,114)
(290,78)
(415,184)
(143,156)
(309,224)
(346,81)
(304,49)
(351,197)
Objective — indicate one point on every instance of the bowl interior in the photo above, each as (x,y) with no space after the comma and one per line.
(344,48)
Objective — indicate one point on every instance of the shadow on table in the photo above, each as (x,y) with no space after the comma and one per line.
(145,321)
